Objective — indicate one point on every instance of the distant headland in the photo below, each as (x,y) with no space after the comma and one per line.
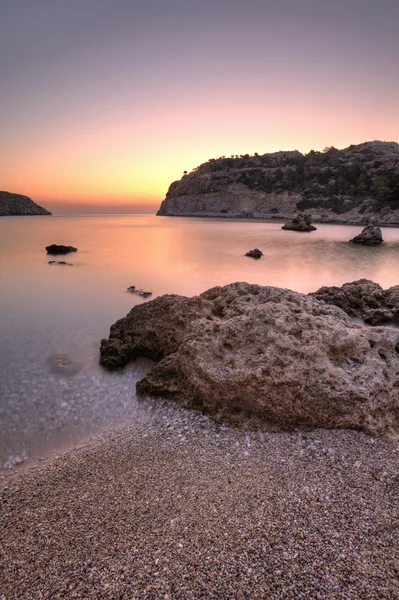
(354,185)
(17,205)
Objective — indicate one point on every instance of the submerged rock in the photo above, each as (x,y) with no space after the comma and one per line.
(370,236)
(271,353)
(364,299)
(59,262)
(60,249)
(255,253)
(300,222)
(133,290)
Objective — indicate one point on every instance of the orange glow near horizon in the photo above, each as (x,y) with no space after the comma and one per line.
(116,112)
(132,160)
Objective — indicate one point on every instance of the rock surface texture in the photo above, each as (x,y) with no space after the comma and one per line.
(60,249)
(300,222)
(345,186)
(261,352)
(370,236)
(364,299)
(17,205)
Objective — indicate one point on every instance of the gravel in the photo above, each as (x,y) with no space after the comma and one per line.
(177,506)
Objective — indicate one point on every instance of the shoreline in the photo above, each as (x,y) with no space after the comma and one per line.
(178,506)
(273,219)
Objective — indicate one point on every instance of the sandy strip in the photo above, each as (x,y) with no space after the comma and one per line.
(177,507)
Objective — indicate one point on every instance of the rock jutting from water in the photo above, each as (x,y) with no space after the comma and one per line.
(300,222)
(370,236)
(255,253)
(364,299)
(60,262)
(133,290)
(245,350)
(60,249)
(16,205)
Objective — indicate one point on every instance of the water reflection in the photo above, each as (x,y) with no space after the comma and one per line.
(49,312)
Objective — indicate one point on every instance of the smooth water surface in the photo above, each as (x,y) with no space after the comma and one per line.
(53,317)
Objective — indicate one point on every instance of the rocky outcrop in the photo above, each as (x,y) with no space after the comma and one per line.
(60,249)
(300,222)
(365,300)
(370,236)
(17,205)
(345,186)
(255,253)
(133,290)
(245,350)
(60,262)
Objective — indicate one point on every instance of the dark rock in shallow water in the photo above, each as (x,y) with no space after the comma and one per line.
(16,205)
(278,355)
(59,262)
(59,249)
(255,253)
(364,299)
(370,236)
(300,222)
(133,290)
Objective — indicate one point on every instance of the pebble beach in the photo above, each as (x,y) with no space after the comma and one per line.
(177,506)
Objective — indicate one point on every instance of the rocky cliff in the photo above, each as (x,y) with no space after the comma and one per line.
(15,204)
(354,185)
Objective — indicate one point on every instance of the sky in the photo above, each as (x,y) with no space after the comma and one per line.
(104,103)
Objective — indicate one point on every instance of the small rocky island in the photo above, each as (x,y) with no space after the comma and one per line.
(353,185)
(17,205)
(244,351)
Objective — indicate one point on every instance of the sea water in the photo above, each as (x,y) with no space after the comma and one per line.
(52,317)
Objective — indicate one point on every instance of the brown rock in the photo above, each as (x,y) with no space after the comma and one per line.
(283,357)
(255,253)
(300,222)
(364,299)
(370,236)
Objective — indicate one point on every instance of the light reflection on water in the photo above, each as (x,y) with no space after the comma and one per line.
(51,310)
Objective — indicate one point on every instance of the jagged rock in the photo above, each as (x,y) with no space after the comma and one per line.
(346,186)
(17,205)
(370,236)
(283,357)
(364,299)
(59,262)
(255,253)
(60,249)
(300,222)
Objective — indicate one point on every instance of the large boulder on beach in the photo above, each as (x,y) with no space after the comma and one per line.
(301,222)
(363,299)
(370,236)
(245,351)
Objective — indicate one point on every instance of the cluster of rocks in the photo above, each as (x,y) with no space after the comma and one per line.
(301,222)
(255,253)
(249,352)
(365,300)
(133,290)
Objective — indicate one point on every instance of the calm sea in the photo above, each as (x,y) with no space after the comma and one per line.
(52,317)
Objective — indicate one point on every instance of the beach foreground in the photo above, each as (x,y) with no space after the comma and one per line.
(179,507)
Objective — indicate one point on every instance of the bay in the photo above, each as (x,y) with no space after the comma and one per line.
(52,317)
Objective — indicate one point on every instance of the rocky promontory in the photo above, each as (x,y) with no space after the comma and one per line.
(358,184)
(17,205)
(246,351)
